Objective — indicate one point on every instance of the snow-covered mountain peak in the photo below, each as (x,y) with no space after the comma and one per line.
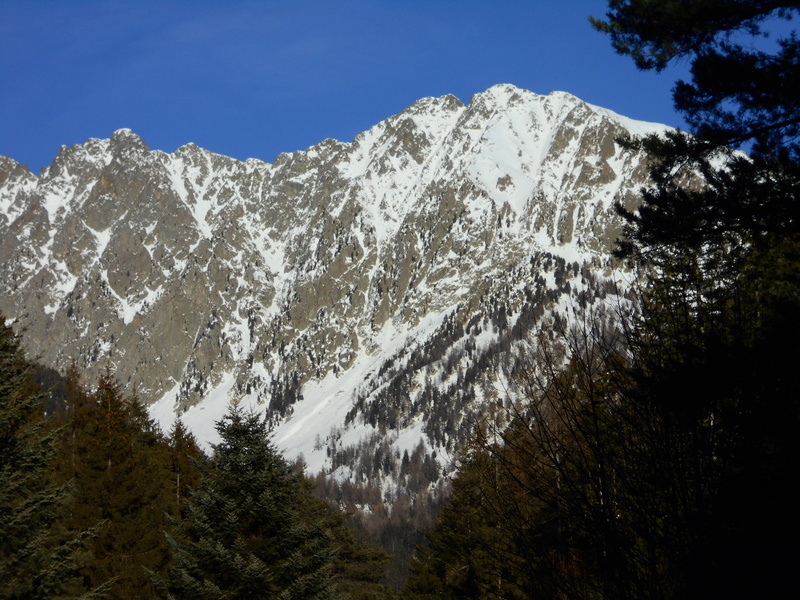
(361,283)
(500,95)
(16,181)
(434,104)
(126,145)
(124,133)
(91,154)
(188,149)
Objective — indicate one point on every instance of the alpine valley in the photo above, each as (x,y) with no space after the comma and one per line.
(367,296)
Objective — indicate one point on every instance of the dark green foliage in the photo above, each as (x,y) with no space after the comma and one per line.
(251,528)
(34,562)
(467,555)
(742,92)
(717,358)
(654,34)
(359,570)
(119,465)
(25,499)
(284,393)
(245,535)
(722,312)
(186,461)
(743,87)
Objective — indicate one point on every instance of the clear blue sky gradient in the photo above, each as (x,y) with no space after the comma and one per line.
(254,79)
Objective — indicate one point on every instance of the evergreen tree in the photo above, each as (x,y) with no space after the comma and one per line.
(359,570)
(742,93)
(740,89)
(721,315)
(245,535)
(34,563)
(468,553)
(120,468)
(187,460)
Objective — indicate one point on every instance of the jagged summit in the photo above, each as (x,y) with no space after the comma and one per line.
(350,289)
(497,98)
(505,94)
(431,105)
(123,134)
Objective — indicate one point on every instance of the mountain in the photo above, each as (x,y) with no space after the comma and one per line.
(365,294)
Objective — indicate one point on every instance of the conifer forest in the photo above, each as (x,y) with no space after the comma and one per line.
(651,455)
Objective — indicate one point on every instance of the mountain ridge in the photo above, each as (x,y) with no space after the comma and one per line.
(200,279)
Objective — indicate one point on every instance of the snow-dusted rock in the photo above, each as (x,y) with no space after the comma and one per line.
(357,287)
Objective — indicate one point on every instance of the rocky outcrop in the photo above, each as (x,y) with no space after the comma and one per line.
(194,276)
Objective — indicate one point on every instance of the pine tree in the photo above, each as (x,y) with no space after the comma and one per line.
(741,94)
(359,570)
(34,563)
(120,468)
(740,89)
(467,554)
(186,460)
(720,317)
(245,535)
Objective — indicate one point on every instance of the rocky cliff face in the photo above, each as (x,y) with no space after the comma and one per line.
(356,291)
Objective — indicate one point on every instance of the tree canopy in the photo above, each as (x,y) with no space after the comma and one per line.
(744,59)
(745,66)
(244,536)
(36,560)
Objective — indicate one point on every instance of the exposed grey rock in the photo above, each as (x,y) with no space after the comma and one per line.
(188,271)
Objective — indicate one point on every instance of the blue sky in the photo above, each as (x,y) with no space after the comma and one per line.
(254,79)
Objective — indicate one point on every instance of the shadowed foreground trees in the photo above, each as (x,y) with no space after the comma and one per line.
(117,462)
(656,464)
(35,562)
(244,536)
(724,307)
(659,462)
(588,493)
(242,523)
(744,59)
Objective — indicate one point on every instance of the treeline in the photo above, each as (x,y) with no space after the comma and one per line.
(97,502)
